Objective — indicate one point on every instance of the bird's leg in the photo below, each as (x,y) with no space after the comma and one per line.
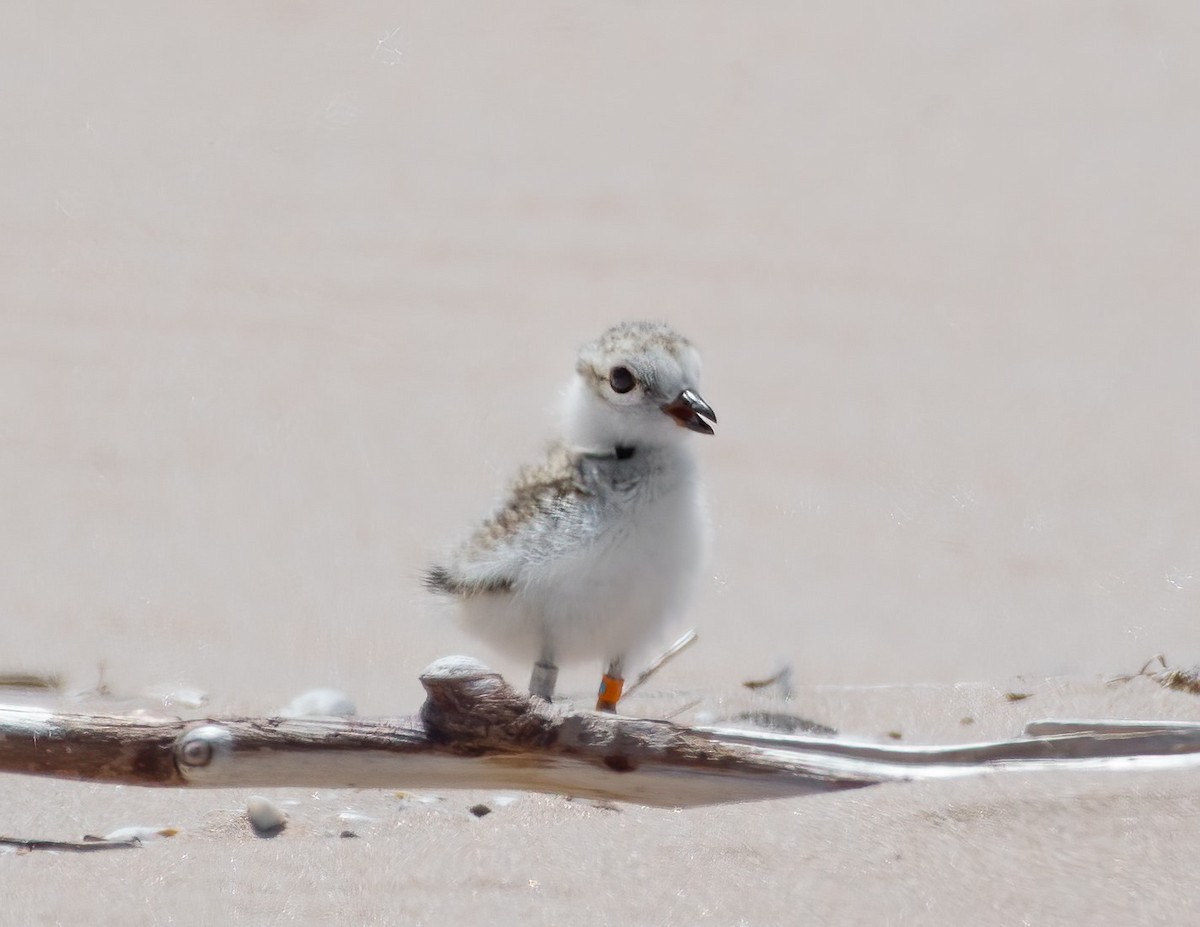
(544,677)
(611,685)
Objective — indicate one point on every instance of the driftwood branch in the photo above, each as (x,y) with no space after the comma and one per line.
(475,731)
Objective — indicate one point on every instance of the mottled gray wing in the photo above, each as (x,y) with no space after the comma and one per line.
(550,510)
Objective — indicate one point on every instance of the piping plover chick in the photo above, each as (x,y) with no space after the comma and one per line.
(597,546)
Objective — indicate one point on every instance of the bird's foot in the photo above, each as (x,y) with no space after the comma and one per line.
(543,679)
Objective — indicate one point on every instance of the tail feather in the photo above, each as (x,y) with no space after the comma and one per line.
(440,580)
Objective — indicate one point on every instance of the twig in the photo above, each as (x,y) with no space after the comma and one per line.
(661,660)
(84,846)
(30,681)
(1181,680)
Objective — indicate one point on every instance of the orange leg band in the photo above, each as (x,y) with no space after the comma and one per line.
(610,693)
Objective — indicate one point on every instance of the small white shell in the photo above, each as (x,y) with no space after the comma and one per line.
(264,815)
(320,703)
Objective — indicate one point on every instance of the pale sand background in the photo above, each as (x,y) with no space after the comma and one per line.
(285,294)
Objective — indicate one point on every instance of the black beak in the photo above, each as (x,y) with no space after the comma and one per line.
(686,409)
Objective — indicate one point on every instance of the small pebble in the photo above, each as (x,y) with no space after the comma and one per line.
(347,833)
(479,810)
(265,816)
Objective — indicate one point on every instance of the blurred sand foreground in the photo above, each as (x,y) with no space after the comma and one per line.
(286,292)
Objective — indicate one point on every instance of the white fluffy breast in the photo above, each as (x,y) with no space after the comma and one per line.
(609,595)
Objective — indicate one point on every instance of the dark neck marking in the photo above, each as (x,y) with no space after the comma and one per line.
(619,452)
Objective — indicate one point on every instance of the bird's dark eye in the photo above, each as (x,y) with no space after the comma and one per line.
(621,379)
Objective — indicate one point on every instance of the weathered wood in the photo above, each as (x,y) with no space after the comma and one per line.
(1185,731)
(96,747)
(475,731)
(1045,742)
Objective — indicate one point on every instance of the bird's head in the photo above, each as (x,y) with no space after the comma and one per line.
(637,384)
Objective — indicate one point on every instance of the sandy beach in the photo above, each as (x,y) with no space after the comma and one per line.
(286,293)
